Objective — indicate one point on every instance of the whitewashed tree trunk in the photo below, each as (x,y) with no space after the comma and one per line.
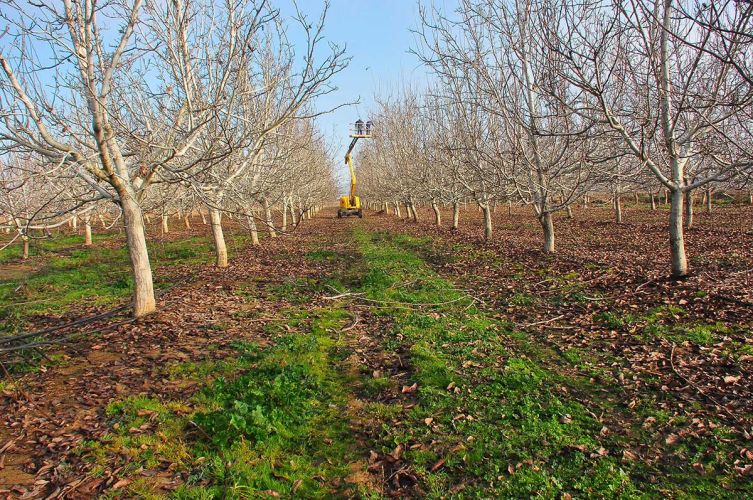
(397,210)
(187,220)
(455,214)
(143,293)
(165,227)
(618,207)
(437,213)
(25,254)
(203,219)
(254,230)
(676,234)
(284,226)
(548,226)
(87,231)
(293,213)
(709,194)
(653,201)
(487,221)
(268,219)
(218,237)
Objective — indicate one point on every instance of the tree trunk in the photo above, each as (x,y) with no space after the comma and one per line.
(143,287)
(585,201)
(653,201)
(455,214)
(293,214)
(569,212)
(666,196)
(165,228)
(187,220)
(509,207)
(677,236)
(25,254)
(397,210)
(203,219)
(408,213)
(268,220)
(218,236)
(548,226)
(437,213)
(284,226)
(254,230)
(87,232)
(708,199)
(689,210)
(618,208)
(102,221)
(412,208)
(74,222)
(487,221)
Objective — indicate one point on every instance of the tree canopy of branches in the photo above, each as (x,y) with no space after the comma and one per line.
(540,101)
(121,96)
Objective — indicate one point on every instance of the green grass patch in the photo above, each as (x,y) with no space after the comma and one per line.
(503,425)
(321,255)
(265,421)
(280,427)
(70,274)
(491,409)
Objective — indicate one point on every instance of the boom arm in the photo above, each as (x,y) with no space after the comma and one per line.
(349,162)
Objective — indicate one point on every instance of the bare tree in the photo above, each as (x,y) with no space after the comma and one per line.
(653,76)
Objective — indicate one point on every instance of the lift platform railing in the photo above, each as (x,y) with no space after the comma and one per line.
(362,130)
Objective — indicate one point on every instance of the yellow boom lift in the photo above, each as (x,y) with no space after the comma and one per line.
(351,205)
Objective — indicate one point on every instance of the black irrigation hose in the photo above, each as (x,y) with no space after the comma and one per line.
(81,321)
(52,329)
(4,341)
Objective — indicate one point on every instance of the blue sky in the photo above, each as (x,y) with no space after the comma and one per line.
(377,36)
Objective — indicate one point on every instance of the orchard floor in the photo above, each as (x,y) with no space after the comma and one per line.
(380,357)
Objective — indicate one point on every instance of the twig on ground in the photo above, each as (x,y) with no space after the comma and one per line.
(343,295)
(356,320)
(527,325)
(644,284)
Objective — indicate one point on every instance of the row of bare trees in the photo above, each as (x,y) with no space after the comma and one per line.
(161,106)
(539,101)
